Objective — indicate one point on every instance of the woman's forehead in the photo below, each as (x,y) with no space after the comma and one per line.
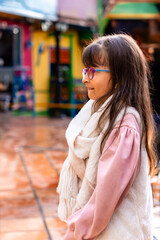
(93,56)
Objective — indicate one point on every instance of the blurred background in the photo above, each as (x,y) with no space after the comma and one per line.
(41,42)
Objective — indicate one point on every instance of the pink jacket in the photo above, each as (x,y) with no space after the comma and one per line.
(118,167)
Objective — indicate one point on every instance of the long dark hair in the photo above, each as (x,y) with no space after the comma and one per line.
(130,76)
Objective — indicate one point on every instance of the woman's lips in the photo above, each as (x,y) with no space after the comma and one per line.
(90,88)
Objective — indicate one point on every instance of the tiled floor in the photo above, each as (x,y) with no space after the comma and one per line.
(31,156)
(32,152)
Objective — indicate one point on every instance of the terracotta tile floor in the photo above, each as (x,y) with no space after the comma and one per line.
(31,156)
(32,152)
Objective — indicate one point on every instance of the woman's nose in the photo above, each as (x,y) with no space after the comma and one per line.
(85,79)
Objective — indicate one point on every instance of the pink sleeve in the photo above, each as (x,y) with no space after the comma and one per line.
(117,169)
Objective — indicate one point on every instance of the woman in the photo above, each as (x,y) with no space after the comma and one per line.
(104,186)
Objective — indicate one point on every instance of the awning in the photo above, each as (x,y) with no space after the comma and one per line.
(35,9)
(134,10)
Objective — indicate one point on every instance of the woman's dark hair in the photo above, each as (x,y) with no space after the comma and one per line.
(130,76)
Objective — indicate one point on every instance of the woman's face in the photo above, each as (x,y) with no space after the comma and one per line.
(100,85)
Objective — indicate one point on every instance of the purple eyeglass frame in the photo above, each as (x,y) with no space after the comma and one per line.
(85,70)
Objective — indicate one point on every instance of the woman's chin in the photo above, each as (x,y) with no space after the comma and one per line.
(91,96)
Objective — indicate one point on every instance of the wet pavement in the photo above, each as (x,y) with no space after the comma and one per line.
(32,151)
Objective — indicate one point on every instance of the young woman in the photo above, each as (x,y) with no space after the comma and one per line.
(104,187)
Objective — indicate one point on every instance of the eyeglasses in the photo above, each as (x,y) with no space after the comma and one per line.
(90,72)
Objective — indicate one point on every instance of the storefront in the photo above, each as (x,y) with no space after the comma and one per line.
(15,60)
(16,64)
(55,41)
(57,59)
(44,74)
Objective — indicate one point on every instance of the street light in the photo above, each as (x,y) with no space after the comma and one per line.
(59,27)
(45,25)
(62,27)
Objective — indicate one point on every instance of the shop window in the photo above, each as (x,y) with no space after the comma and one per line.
(9,47)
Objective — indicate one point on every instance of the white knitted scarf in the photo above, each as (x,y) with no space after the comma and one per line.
(79,171)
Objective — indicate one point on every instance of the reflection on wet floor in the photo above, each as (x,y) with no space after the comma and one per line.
(31,156)
(32,151)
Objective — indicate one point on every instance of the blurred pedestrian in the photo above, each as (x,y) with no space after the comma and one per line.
(104,187)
